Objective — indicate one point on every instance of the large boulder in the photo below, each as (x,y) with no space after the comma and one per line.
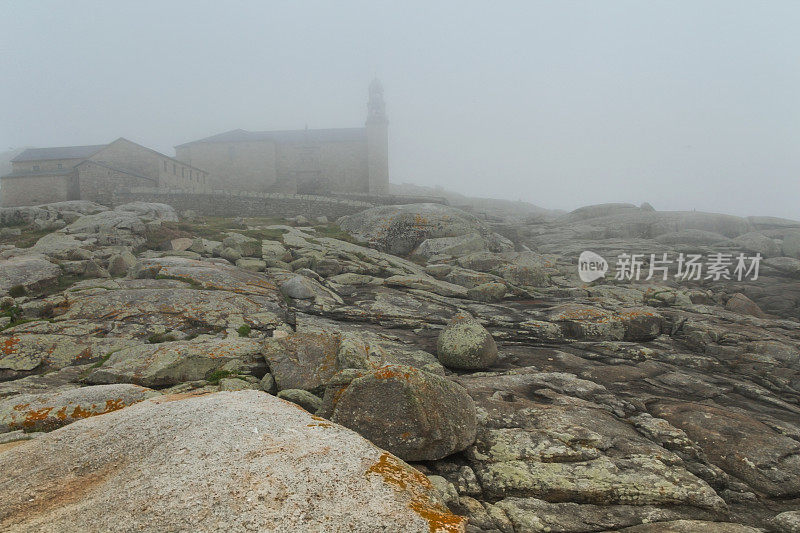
(739,303)
(245,246)
(50,410)
(107,222)
(32,272)
(150,211)
(230,461)
(399,229)
(466,345)
(170,363)
(455,246)
(414,414)
(740,444)
(791,244)
(598,210)
(302,360)
(757,242)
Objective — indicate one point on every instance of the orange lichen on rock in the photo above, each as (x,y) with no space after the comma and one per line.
(418,486)
(36,415)
(391,372)
(9,345)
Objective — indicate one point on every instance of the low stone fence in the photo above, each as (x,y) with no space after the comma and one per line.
(230,203)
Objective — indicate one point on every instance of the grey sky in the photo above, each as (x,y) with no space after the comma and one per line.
(685,104)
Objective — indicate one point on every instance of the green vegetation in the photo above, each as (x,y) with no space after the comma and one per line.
(244,330)
(27,238)
(418,259)
(16,291)
(103,359)
(214,229)
(194,284)
(214,377)
(158,338)
(333,231)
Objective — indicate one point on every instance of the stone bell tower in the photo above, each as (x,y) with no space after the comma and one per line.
(377,140)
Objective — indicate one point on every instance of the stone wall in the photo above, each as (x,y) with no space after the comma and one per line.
(267,165)
(245,203)
(34,190)
(101,184)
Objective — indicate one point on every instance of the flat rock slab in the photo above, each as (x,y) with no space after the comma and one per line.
(739,444)
(51,410)
(170,363)
(33,272)
(230,461)
(216,276)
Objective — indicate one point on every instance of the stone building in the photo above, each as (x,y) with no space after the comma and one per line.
(44,175)
(319,161)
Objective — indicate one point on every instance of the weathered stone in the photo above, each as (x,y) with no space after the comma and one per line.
(246,246)
(230,254)
(234,384)
(170,363)
(465,344)
(32,272)
(303,398)
(327,266)
(298,287)
(180,244)
(302,360)
(787,522)
(338,480)
(488,292)
(150,211)
(414,414)
(690,526)
(119,264)
(427,284)
(399,229)
(739,303)
(739,444)
(453,246)
(253,265)
(50,410)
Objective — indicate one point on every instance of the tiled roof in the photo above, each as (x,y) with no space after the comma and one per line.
(287,136)
(35,173)
(59,152)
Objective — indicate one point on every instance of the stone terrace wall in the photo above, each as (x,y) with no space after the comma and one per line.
(229,203)
(393,199)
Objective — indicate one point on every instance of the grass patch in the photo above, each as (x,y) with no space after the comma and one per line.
(418,259)
(103,359)
(158,338)
(333,231)
(213,229)
(194,284)
(27,238)
(244,330)
(15,314)
(214,377)
(16,291)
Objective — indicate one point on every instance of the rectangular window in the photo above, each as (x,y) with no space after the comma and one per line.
(174,169)
(35,167)
(59,165)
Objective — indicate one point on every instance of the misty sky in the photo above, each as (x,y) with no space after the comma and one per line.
(685,104)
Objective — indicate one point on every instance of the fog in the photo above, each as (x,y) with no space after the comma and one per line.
(686,105)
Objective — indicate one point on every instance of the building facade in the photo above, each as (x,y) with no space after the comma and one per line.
(318,161)
(96,172)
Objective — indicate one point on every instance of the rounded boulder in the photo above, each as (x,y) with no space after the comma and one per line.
(466,345)
(416,415)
